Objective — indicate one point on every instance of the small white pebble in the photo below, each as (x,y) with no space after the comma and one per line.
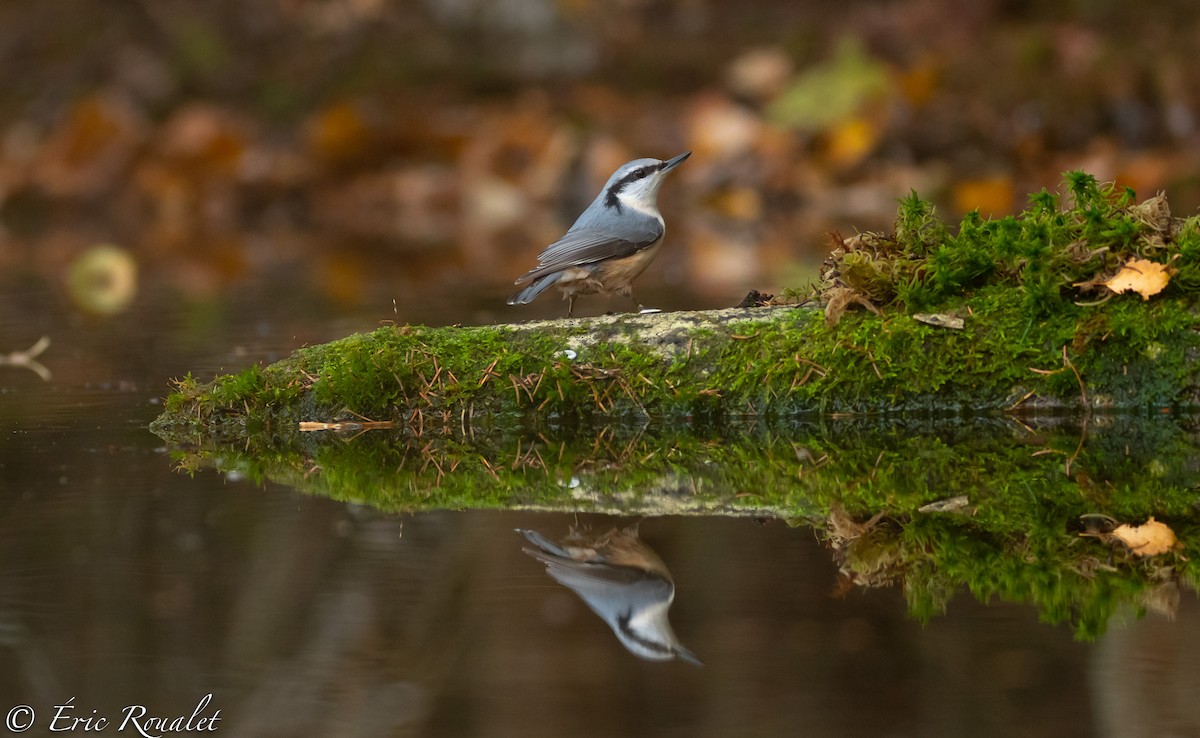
(569,354)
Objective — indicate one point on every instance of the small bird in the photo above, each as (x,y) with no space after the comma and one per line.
(611,242)
(623,581)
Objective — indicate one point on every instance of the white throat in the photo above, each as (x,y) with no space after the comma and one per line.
(633,202)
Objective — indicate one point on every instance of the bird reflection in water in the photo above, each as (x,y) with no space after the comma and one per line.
(622,581)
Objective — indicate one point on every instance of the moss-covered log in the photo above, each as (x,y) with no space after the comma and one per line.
(1037,329)
(772,362)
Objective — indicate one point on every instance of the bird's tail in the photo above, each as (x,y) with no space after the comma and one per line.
(535,288)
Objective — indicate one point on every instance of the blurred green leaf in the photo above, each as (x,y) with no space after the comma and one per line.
(832,91)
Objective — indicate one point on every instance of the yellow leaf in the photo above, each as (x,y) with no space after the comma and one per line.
(1141,276)
(852,139)
(1150,539)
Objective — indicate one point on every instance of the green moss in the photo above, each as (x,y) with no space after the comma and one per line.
(1027,337)
(1044,252)
(786,363)
(1018,538)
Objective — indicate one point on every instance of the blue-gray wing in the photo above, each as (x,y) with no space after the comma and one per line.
(612,592)
(606,581)
(584,246)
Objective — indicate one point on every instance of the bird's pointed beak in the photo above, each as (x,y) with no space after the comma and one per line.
(670,164)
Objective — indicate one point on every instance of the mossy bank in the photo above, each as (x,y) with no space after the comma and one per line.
(1037,329)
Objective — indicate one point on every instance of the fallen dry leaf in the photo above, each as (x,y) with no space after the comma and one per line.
(1144,277)
(960,503)
(941,320)
(1150,539)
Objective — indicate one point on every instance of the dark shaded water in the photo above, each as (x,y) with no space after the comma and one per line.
(126,583)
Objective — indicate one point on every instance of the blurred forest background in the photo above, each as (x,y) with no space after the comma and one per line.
(361,151)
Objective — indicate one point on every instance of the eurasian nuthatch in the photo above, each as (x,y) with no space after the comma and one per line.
(611,243)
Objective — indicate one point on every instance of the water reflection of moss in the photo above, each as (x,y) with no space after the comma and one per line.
(1069,580)
(1022,542)
(862,484)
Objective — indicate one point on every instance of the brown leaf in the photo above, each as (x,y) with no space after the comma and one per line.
(920,82)
(1150,539)
(1144,277)
(87,153)
(341,135)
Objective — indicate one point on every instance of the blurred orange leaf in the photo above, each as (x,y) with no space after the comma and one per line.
(919,83)
(852,139)
(339,134)
(743,203)
(204,141)
(988,195)
(89,150)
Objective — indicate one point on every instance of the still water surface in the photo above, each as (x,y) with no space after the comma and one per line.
(125,583)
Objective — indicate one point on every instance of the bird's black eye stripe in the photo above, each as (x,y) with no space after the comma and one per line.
(610,198)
